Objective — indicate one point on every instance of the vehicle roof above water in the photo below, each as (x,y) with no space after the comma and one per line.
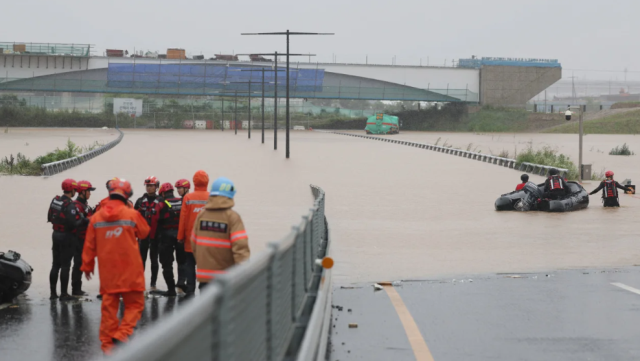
(385,118)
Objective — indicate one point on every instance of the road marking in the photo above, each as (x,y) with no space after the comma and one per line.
(419,346)
(625,287)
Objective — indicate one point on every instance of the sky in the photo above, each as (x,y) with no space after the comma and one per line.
(592,39)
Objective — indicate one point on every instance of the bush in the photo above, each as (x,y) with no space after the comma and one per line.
(24,166)
(621,150)
(19,165)
(549,157)
(623,105)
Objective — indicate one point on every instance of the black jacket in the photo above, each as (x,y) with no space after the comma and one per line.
(601,186)
(565,185)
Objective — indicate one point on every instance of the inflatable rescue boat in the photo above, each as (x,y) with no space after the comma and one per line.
(531,198)
(15,276)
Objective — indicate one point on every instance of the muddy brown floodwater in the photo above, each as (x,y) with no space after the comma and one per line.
(395,212)
(34,142)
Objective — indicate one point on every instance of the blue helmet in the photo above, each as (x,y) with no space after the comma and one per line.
(223,187)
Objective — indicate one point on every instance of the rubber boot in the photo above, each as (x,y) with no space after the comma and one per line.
(54,293)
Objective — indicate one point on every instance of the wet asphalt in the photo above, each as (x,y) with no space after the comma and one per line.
(562,315)
(39,329)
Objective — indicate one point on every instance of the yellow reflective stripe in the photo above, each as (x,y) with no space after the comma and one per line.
(169,204)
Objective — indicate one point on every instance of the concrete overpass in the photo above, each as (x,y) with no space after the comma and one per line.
(485,82)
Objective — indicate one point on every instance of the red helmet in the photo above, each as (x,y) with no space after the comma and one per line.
(166,187)
(121,187)
(84,185)
(152,180)
(183,183)
(109,181)
(69,185)
(608,173)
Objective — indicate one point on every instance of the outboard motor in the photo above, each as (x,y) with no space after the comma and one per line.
(530,201)
(15,276)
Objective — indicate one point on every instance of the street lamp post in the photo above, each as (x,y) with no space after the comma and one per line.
(287,33)
(275,104)
(249,92)
(262,70)
(235,107)
(580,134)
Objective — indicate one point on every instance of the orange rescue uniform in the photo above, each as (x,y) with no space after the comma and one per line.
(104,201)
(112,237)
(192,204)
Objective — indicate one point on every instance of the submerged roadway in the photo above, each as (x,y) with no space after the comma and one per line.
(396,213)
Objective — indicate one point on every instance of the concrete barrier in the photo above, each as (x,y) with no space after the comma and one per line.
(50,169)
(539,169)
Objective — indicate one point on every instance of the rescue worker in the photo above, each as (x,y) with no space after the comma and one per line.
(65,218)
(524,178)
(168,224)
(192,204)
(610,190)
(182,186)
(148,205)
(112,238)
(106,199)
(555,185)
(219,239)
(84,189)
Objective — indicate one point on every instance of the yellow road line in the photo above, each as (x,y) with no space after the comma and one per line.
(419,346)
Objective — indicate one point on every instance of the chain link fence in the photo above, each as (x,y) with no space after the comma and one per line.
(259,310)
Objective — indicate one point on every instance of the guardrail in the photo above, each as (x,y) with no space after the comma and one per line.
(60,166)
(259,310)
(539,169)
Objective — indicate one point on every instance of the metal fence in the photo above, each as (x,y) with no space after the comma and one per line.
(45,49)
(259,310)
(50,169)
(539,169)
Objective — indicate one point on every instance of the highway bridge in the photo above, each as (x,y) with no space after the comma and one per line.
(488,81)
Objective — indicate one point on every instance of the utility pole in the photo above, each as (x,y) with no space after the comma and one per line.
(287,34)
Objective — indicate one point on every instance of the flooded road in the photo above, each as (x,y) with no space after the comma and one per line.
(395,212)
(595,150)
(34,142)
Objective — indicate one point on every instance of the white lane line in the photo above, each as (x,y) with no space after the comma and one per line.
(625,287)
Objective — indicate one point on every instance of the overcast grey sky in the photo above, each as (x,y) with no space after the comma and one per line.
(586,34)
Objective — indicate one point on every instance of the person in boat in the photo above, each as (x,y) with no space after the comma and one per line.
(610,190)
(524,178)
(555,186)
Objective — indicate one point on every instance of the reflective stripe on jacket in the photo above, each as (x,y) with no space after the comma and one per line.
(219,239)
(112,238)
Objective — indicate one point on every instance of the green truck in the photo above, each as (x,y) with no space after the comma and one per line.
(382,124)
